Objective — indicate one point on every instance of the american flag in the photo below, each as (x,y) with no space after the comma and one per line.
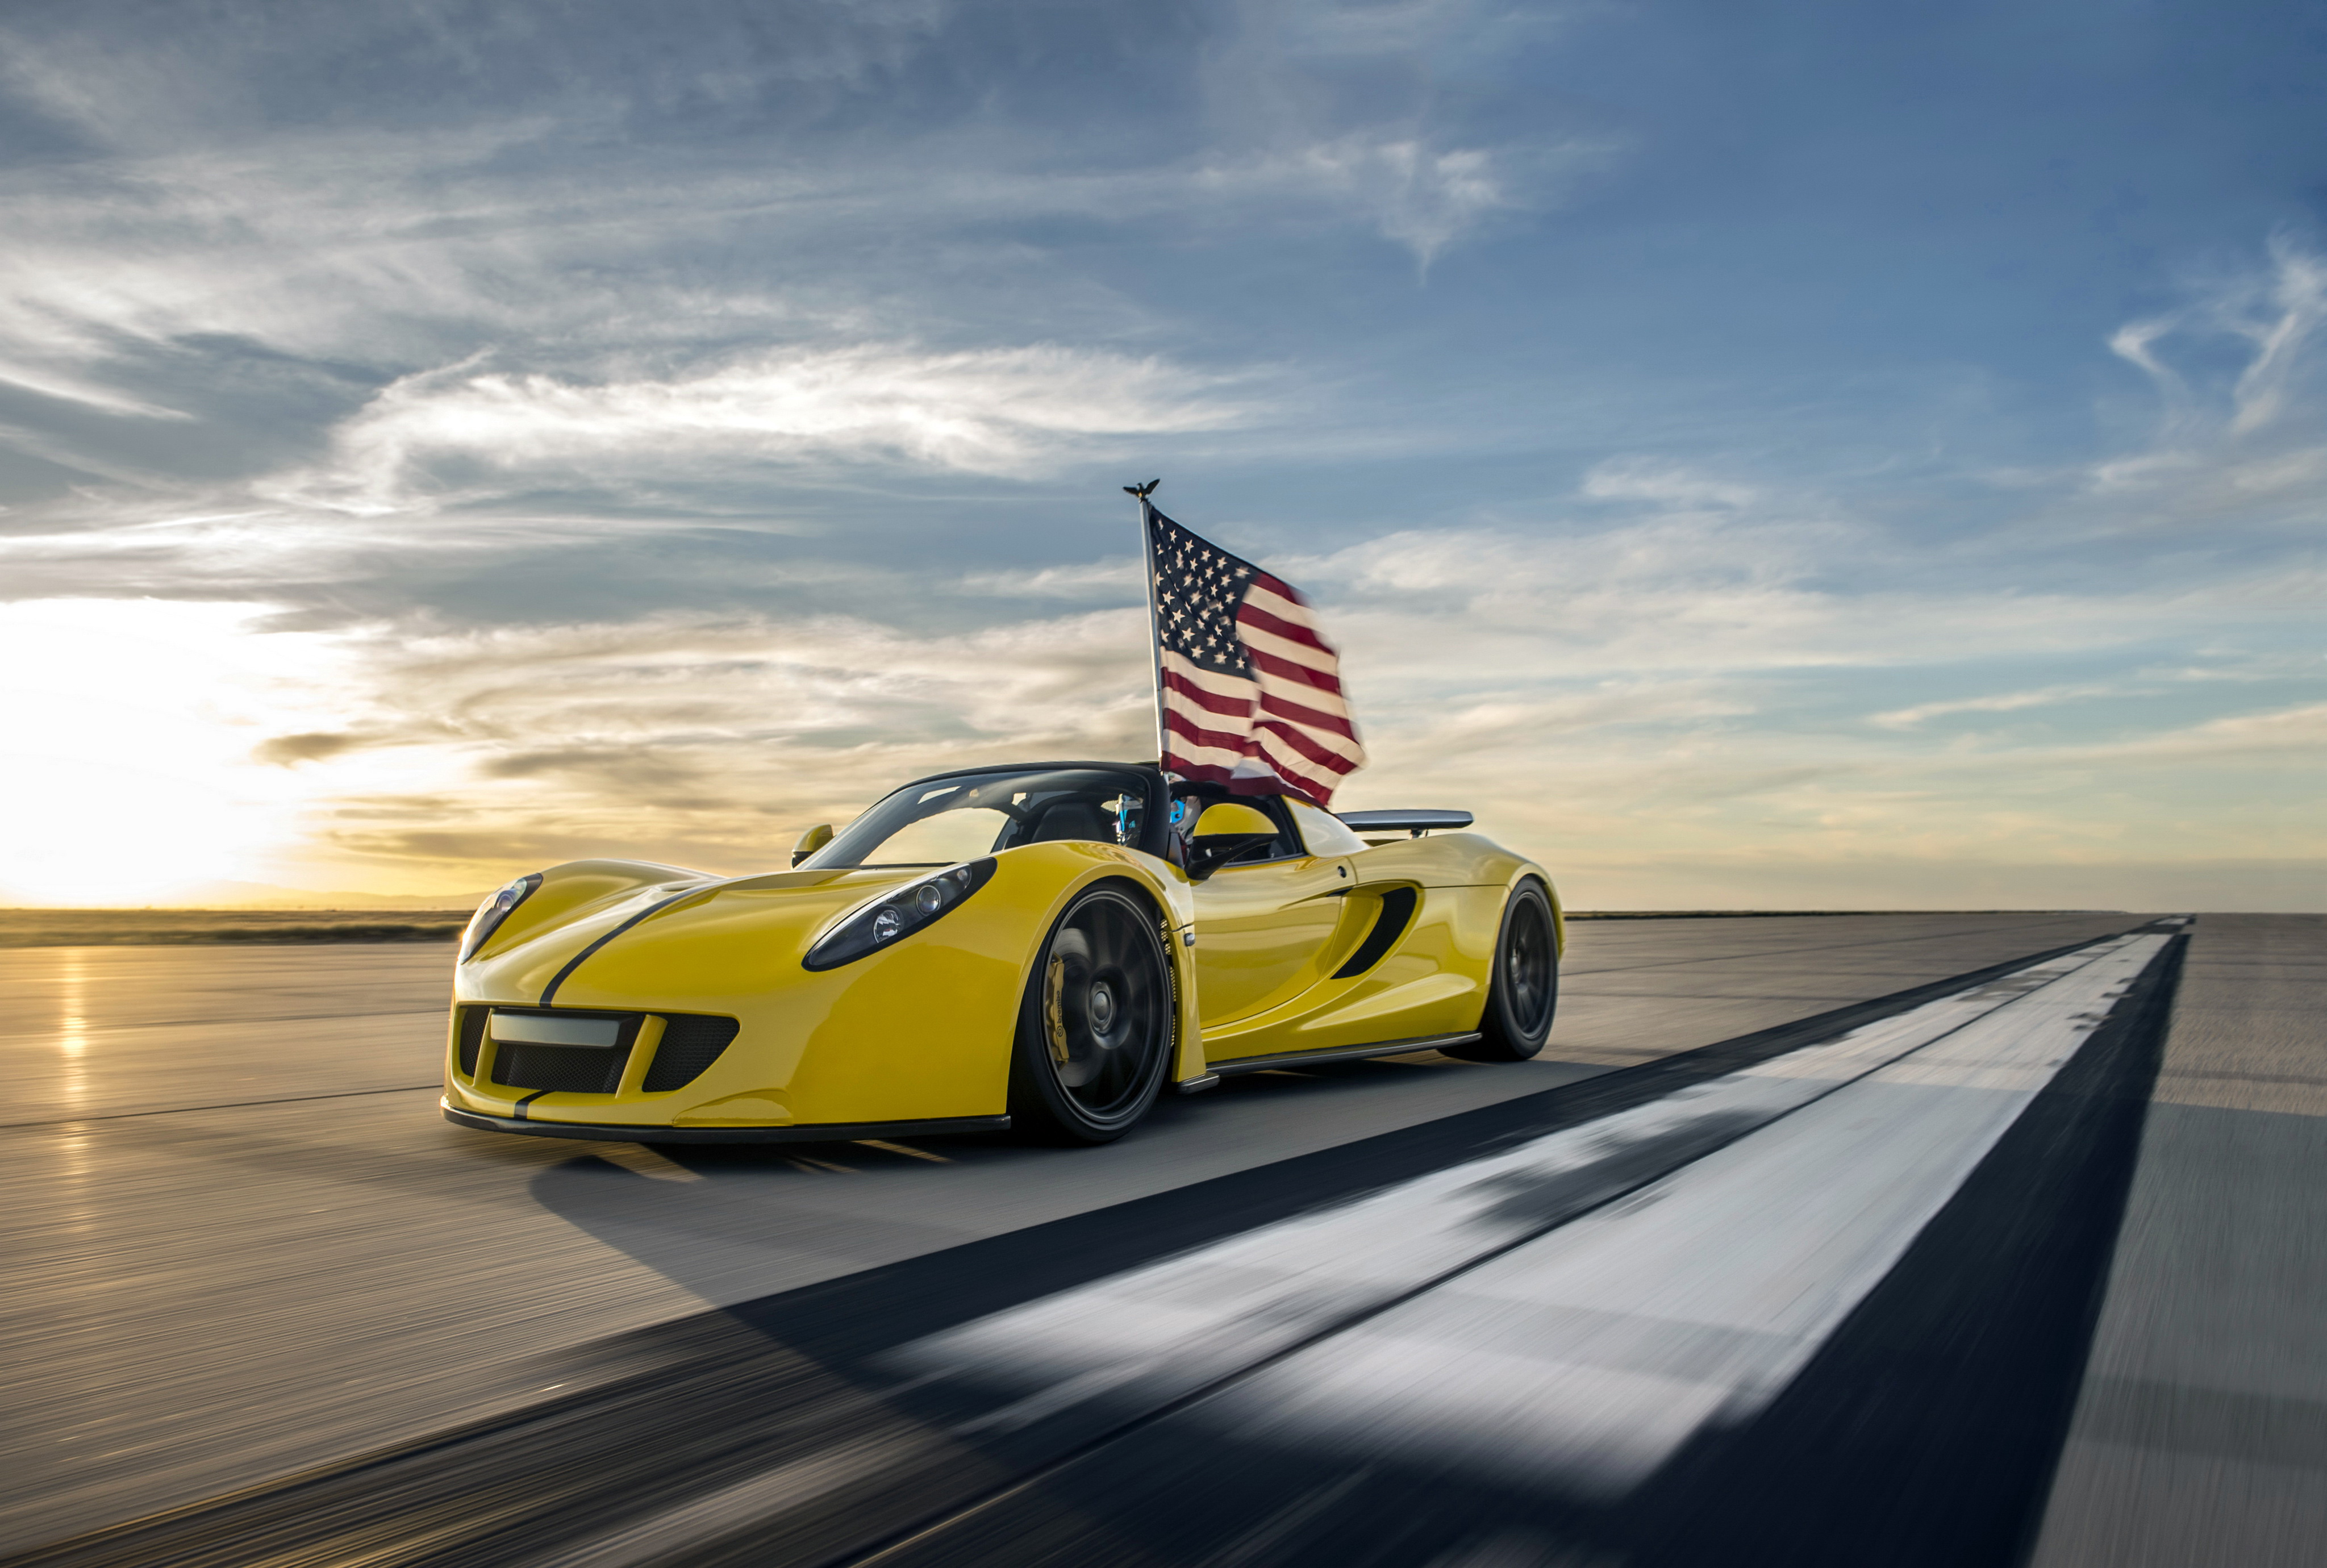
(1251,695)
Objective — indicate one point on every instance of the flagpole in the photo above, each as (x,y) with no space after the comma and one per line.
(1154,613)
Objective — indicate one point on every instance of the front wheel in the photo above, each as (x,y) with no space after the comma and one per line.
(1525,991)
(1095,1030)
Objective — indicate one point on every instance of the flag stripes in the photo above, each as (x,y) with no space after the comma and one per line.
(1251,690)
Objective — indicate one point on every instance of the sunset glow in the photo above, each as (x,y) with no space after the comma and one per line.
(125,773)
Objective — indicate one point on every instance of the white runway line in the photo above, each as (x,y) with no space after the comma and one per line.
(1584,1358)
(1152,1334)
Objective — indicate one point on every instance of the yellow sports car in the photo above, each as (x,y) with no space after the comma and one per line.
(1041,949)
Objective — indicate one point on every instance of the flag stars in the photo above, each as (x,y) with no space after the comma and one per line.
(1198,591)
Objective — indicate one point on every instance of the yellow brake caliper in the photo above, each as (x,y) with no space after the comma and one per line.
(1054,1020)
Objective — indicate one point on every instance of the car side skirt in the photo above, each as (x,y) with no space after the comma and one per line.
(809,1132)
(1338,1053)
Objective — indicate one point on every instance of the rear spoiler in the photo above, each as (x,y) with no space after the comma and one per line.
(1416,823)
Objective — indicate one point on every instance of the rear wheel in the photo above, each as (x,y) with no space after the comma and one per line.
(1525,992)
(1094,1029)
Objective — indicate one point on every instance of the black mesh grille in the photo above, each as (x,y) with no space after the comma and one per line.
(691,1041)
(472,1036)
(582,1070)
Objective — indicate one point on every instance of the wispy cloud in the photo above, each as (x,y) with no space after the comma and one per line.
(2230,446)
(2000,703)
(1008,411)
(1113,579)
(65,390)
(1424,196)
(2296,735)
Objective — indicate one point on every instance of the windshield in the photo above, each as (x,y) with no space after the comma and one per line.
(941,821)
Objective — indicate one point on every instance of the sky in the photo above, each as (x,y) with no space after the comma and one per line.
(1767,456)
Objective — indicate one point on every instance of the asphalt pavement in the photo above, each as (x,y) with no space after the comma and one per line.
(2201,1430)
(244,1246)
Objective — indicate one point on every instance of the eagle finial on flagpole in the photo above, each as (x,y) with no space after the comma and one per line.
(1142,491)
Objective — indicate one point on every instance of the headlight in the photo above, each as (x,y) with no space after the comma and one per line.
(898,912)
(493,911)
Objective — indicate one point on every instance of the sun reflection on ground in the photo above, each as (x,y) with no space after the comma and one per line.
(73,1168)
(72,1026)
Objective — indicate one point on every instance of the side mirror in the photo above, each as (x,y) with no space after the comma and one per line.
(814,839)
(1227,829)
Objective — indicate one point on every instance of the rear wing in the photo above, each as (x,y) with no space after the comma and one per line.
(1413,822)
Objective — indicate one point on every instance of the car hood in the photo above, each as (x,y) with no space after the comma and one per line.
(741,928)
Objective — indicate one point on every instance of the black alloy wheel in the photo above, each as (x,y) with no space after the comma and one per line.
(1525,991)
(1095,1032)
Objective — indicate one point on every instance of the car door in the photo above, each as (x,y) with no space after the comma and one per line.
(1264,926)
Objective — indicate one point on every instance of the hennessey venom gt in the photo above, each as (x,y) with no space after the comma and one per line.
(1042,947)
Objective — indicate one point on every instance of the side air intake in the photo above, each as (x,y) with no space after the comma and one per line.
(1397,913)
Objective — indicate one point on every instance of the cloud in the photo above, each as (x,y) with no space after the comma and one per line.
(1668,484)
(648,279)
(312,746)
(66,390)
(2236,449)
(1632,672)
(2001,703)
(2292,733)
(2292,306)
(1422,195)
(1112,579)
(1000,411)
(1681,592)
(696,739)
(429,218)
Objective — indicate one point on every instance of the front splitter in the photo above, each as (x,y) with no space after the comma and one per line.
(809,1132)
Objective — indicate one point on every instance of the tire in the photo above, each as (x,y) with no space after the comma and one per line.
(1095,1032)
(1524,993)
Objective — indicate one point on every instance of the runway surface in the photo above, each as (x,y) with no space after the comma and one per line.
(244,1247)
